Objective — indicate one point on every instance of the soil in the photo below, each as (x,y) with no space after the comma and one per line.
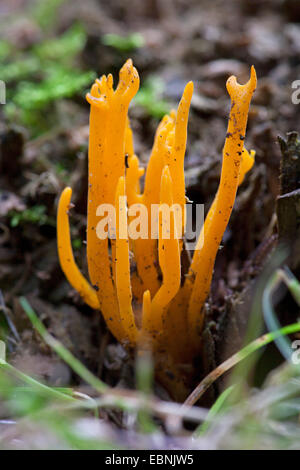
(203,41)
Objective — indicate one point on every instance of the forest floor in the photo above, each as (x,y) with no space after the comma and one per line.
(43,147)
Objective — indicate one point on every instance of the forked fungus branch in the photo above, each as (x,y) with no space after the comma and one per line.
(152,308)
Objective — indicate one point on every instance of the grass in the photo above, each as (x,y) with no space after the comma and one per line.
(265,418)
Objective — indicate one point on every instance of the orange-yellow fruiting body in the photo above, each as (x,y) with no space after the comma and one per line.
(167,315)
(108,128)
(146,254)
(123,285)
(169,259)
(65,252)
(97,249)
(214,228)
(175,155)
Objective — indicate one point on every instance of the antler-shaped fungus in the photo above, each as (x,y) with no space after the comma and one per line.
(170,318)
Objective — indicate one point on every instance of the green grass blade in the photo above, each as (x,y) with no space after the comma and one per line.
(61,351)
(216,408)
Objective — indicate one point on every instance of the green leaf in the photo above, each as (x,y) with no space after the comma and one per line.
(149,97)
(124,43)
(64,48)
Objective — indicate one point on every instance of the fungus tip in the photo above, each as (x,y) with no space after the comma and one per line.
(253,78)
(188,91)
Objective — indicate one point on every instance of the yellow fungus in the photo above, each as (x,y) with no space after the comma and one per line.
(65,253)
(169,258)
(122,270)
(203,261)
(166,315)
